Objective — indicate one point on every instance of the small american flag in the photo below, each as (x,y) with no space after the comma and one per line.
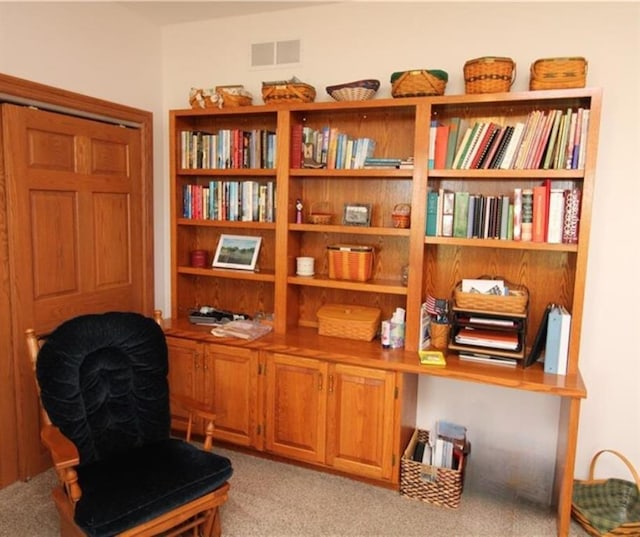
(438,307)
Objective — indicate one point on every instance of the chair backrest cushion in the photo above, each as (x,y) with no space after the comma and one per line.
(103,382)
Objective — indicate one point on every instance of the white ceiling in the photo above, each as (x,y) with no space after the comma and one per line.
(163,13)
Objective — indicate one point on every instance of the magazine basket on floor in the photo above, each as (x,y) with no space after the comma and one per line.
(607,507)
(439,486)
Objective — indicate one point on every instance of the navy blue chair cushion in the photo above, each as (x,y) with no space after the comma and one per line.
(103,383)
(125,491)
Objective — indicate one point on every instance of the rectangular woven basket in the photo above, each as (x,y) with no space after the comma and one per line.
(418,83)
(515,302)
(558,73)
(348,262)
(439,486)
(489,74)
(351,322)
(297,92)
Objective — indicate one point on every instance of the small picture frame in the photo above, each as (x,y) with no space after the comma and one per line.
(357,214)
(237,252)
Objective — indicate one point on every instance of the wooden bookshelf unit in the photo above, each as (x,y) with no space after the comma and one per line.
(343,404)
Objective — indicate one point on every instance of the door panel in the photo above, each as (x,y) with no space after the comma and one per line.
(296,407)
(360,431)
(78,220)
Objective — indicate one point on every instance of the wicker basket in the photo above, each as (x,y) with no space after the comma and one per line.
(204,98)
(418,83)
(440,486)
(401,216)
(489,74)
(360,90)
(515,302)
(321,213)
(288,91)
(558,73)
(231,96)
(351,322)
(607,507)
(350,262)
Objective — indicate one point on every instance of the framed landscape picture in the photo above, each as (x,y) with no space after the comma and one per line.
(237,251)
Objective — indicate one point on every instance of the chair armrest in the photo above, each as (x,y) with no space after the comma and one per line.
(63,451)
(191,405)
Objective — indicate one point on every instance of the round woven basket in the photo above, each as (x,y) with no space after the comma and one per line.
(360,90)
(489,74)
(607,507)
(418,83)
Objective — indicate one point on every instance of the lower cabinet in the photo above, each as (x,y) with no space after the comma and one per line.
(224,377)
(329,414)
(334,414)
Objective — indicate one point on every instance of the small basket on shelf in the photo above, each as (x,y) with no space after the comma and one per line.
(418,83)
(489,74)
(320,213)
(515,302)
(558,73)
(360,90)
(287,91)
(608,507)
(401,216)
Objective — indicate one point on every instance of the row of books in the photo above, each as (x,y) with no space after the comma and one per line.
(329,148)
(228,149)
(539,214)
(243,201)
(553,139)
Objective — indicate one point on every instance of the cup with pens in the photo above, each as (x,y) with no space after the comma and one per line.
(438,308)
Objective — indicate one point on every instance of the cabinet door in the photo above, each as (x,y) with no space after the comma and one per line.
(185,376)
(360,420)
(232,386)
(296,407)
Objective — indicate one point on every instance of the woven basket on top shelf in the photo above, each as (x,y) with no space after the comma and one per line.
(558,73)
(418,83)
(608,507)
(360,90)
(287,91)
(489,74)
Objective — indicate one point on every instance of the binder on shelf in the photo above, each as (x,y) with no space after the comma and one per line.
(557,341)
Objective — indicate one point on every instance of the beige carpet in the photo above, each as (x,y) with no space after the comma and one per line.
(271,499)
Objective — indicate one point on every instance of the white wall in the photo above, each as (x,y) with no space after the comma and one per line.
(513,433)
(100,50)
(105,51)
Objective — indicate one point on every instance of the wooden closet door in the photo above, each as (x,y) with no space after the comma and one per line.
(75,230)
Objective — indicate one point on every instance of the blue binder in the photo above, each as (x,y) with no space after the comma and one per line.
(557,345)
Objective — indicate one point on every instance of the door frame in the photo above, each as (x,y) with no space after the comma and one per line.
(21,91)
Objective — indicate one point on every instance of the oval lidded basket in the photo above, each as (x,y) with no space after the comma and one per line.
(419,83)
(287,91)
(558,73)
(489,74)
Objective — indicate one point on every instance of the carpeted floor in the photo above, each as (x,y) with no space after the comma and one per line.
(271,499)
